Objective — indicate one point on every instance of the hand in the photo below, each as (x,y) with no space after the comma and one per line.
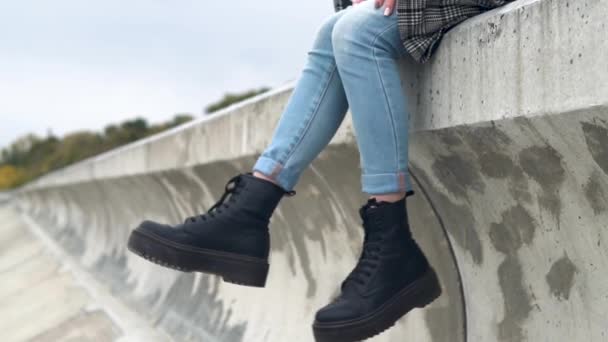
(389,6)
(388,10)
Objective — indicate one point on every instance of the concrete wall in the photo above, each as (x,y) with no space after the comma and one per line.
(28,273)
(45,296)
(4,197)
(509,154)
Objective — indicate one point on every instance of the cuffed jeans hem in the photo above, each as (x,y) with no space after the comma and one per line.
(386,183)
(275,170)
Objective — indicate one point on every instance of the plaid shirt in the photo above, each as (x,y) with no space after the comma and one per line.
(422,23)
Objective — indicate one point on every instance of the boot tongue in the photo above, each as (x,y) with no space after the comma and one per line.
(378,218)
(370,212)
(366,210)
(387,211)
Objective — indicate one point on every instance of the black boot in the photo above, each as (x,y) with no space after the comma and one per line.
(391,278)
(230,240)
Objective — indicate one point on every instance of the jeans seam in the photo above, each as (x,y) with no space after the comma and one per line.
(312,117)
(391,117)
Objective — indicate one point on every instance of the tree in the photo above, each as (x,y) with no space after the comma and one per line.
(31,156)
(179,119)
(231,98)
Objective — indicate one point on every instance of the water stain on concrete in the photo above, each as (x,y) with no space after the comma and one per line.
(517,301)
(595,193)
(435,318)
(448,137)
(552,202)
(209,314)
(561,277)
(492,146)
(496,165)
(457,174)
(596,137)
(458,218)
(455,167)
(206,316)
(516,228)
(519,186)
(490,137)
(544,165)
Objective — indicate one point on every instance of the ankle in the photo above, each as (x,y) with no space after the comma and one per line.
(259,175)
(273,181)
(390,198)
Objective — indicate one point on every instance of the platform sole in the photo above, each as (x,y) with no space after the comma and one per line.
(417,295)
(233,268)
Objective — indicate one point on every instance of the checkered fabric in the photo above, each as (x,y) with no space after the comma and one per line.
(422,23)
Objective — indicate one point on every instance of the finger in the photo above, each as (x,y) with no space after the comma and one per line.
(378,3)
(390,6)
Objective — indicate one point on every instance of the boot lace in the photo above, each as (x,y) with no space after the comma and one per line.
(370,254)
(231,188)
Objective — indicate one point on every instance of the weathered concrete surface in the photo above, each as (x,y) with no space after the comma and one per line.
(4,197)
(44,297)
(315,238)
(524,203)
(510,161)
(33,284)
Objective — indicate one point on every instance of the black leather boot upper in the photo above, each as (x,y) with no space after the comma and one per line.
(390,260)
(237,223)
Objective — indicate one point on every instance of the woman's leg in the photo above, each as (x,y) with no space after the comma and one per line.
(366,48)
(392,276)
(312,116)
(353,62)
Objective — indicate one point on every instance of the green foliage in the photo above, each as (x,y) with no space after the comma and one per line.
(32,156)
(231,98)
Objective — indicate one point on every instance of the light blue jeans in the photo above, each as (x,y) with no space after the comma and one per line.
(353,62)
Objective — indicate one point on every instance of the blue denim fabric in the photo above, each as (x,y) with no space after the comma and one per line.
(353,62)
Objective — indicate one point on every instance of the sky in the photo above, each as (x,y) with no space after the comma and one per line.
(67,65)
